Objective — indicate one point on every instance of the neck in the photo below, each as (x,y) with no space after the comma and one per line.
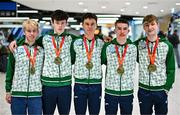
(89,36)
(59,33)
(121,41)
(152,38)
(29,42)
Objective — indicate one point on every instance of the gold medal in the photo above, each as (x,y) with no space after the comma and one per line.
(120,70)
(152,67)
(58,60)
(89,65)
(32,70)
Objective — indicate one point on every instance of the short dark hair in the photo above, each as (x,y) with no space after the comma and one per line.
(149,18)
(122,20)
(90,16)
(59,15)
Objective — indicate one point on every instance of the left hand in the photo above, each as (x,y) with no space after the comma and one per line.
(107,39)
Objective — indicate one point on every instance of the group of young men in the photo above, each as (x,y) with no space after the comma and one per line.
(49,59)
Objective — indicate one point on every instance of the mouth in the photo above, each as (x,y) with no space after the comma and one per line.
(122,35)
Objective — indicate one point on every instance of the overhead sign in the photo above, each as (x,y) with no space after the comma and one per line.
(8,9)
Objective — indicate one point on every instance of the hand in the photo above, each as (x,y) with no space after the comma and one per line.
(12,46)
(107,39)
(8,97)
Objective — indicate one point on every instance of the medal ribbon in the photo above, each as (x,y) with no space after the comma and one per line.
(152,55)
(121,59)
(58,50)
(31,58)
(90,52)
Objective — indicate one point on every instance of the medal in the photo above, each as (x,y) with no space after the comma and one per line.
(120,70)
(32,59)
(32,70)
(152,67)
(58,60)
(89,65)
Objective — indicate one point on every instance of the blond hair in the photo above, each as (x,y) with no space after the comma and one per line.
(30,24)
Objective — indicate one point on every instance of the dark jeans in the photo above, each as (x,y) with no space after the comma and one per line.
(148,99)
(125,104)
(60,96)
(20,106)
(87,95)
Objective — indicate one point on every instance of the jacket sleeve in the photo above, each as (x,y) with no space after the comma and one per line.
(103,54)
(39,41)
(170,68)
(72,51)
(136,44)
(10,72)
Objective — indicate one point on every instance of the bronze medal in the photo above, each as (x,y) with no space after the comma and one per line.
(120,70)
(32,70)
(89,65)
(152,67)
(58,60)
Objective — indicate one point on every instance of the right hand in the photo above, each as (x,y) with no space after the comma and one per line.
(12,46)
(8,97)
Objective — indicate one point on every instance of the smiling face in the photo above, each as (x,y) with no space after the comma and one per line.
(31,30)
(150,25)
(151,28)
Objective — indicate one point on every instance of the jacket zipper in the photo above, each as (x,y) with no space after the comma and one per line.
(28,77)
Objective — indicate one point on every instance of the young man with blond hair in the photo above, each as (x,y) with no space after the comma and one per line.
(156,68)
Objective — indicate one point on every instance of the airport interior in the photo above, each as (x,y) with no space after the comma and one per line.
(14,12)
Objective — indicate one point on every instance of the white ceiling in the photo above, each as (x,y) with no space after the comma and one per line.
(135,8)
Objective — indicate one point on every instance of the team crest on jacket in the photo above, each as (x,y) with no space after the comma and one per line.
(142,44)
(79,42)
(112,50)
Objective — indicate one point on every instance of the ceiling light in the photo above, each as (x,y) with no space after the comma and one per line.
(35,19)
(178,3)
(106,20)
(108,16)
(161,10)
(137,12)
(14,18)
(71,20)
(18,5)
(85,10)
(10,26)
(75,26)
(122,10)
(80,3)
(145,7)
(46,18)
(27,11)
(127,3)
(137,18)
(103,7)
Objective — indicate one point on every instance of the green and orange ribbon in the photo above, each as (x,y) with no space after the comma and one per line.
(31,58)
(121,58)
(90,52)
(152,55)
(58,50)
